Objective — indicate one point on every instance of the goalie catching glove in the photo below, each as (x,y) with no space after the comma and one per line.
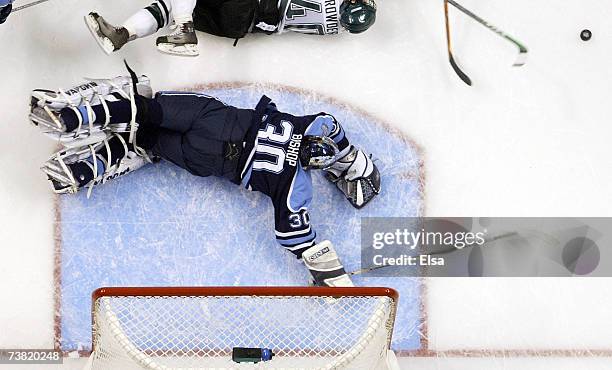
(324,265)
(356,175)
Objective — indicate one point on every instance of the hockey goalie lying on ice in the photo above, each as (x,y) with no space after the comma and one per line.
(112,127)
(231,18)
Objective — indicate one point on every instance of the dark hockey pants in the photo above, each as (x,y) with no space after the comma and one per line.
(201,134)
(194,131)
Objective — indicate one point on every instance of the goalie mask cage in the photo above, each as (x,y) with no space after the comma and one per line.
(181,328)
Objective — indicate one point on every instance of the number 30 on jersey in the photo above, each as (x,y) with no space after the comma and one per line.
(299,220)
(266,140)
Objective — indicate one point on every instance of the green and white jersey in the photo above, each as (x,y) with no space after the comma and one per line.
(318,17)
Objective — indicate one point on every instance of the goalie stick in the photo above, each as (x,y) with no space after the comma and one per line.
(21,7)
(521,59)
(498,237)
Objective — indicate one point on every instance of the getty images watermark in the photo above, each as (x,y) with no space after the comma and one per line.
(486,247)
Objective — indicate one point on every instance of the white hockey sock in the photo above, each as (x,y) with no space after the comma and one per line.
(141,24)
(182,10)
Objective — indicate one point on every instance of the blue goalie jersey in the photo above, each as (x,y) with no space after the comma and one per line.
(272,166)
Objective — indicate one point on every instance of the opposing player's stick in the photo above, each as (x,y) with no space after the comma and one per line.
(451,59)
(21,7)
(498,237)
(520,60)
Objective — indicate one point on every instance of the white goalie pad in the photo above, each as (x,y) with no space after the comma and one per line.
(92,91)
(57,168)
(46,104)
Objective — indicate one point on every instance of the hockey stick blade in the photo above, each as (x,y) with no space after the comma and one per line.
(458,70)
(451,59)
(522,58)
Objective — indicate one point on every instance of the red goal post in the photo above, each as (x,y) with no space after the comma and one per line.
(197,327)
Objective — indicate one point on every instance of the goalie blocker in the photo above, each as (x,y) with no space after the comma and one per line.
(324,265)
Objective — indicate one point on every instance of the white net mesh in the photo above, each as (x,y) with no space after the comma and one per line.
(199,332)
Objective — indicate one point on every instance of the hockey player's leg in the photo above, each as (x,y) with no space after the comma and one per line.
(324,265)
(356,175)
(149,20)
(144,23)
(182,8)
(183,40)
(75,168)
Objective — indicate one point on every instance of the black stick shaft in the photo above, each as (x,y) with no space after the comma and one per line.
(495,238)
(522,49)
(451,59)
(25,6)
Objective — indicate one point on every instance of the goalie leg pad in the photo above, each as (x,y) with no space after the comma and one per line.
(92,90)
(46,106)
(324,265)
(73,169)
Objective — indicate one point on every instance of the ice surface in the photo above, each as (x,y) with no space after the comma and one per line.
(162,226)
(525,141)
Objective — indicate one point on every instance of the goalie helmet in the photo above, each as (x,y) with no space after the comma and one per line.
(5,12)
(318,152)
(357,15)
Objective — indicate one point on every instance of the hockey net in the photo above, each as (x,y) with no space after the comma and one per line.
(198,328)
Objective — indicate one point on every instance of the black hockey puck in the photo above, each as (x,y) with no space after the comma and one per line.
(585,35)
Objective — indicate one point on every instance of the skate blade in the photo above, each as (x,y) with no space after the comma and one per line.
(103,42)
(183,51)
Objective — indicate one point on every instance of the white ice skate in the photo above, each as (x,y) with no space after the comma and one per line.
(108,37)
(183,41)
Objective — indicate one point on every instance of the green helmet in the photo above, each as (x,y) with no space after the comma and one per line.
(357,15)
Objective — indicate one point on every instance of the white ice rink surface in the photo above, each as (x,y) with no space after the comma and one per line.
(530,141)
